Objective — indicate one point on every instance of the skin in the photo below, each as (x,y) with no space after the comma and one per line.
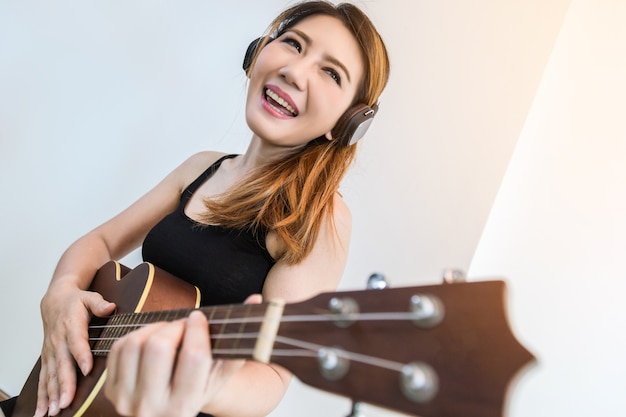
(166,369)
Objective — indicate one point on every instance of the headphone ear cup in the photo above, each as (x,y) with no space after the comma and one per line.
(353,124)
(251,51)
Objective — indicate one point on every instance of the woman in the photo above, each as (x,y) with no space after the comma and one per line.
(269,221)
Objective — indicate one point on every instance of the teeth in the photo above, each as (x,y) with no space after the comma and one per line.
(280,101)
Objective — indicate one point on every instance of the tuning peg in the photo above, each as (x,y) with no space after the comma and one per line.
(428,310)
(344,310)
(333,363)
(356,410)
(419,382)
(450,276)
(377,281)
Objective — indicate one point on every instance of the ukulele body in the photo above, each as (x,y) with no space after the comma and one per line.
(142,289)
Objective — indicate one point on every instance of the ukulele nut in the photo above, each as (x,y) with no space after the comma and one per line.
(427,310)
(419,382)
(333,363)
(344,311)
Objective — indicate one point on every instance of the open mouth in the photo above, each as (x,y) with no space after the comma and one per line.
(281,105)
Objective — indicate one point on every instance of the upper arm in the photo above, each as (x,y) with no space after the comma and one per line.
(322,269)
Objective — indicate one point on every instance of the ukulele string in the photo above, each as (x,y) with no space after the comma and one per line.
(311,350)
(305,318)
(304,349)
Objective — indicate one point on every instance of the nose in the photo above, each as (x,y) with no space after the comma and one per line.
(295,73)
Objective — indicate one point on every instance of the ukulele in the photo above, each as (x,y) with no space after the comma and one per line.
(431,351)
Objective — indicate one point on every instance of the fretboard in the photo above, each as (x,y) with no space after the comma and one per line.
(234,329)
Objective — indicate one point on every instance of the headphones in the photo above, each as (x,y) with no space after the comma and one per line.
(351,126)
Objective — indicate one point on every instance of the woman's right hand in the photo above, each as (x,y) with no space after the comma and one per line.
(66,311)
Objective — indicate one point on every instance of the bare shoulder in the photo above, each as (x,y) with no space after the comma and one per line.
(341,209)
(201,160)
(341,217)
(326,261)
(195,165)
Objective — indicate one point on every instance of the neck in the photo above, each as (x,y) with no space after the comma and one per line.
(237,331)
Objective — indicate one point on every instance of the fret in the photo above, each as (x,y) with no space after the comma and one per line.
(221,313)
(235,329)
(242,326)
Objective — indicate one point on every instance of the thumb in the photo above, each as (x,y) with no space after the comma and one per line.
(97,305)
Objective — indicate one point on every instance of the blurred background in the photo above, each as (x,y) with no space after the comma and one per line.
(499,149)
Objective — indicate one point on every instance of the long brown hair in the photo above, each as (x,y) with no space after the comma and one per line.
(292,196)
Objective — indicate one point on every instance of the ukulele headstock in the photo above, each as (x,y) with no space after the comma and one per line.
(432,351)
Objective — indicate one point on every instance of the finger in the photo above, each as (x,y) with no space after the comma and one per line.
(61,380)
(194,363)
(52,387)
(78,331)
(254,299)
(47,387)
(78,344)
(42,391)
(122,363)
(96,304)
(138,375)
(66,378)
(157,363)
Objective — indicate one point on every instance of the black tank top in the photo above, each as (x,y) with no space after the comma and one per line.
(227,265)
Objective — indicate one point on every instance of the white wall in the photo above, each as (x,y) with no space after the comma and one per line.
(99,100)
(557,228)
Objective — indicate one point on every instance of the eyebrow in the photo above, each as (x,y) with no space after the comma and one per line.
(307,39)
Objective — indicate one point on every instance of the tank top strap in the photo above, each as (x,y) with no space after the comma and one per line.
(191,188)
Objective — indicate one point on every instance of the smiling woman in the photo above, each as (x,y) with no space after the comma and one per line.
(234,226)
(304,59)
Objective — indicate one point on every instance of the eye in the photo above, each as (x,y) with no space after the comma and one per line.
(334,75)
(294,43)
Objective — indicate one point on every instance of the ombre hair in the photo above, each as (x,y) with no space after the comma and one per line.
(294,195)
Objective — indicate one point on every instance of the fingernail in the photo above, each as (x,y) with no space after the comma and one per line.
(53,408)
(84,368)
(40,411)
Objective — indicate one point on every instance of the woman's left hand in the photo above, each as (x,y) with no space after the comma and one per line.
(166,369)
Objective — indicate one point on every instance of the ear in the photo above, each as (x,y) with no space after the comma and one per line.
(329,136)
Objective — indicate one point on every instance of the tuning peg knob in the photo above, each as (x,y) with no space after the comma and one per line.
(427,310)
(451,275)
(344,309)
(377,281)
(333,363)
(419,382)
(356,410)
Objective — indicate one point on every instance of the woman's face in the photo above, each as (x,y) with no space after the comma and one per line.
(303,81)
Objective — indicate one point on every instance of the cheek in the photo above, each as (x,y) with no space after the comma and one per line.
(265,62)
(333,107)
